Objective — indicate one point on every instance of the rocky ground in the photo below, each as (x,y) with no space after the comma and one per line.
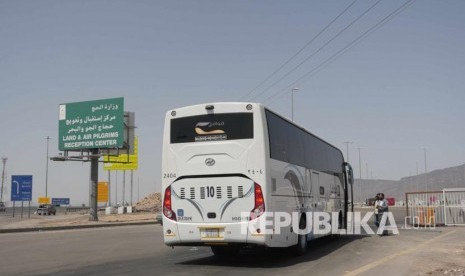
(151,203)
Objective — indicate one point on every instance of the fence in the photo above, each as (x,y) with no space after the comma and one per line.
(435,208)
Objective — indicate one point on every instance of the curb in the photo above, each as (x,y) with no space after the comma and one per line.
(68,227)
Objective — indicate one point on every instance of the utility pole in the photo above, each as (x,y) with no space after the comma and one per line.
(347,149)
(4,159)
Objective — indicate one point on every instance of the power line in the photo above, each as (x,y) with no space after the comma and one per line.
(321,48)
(339,53)
(299,51)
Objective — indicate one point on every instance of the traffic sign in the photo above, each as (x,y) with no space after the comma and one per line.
(60,201)
(91,124)
(21,187)
(122,161)
(102,191)
(43,200)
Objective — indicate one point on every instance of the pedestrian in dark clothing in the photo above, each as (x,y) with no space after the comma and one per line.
(382,207)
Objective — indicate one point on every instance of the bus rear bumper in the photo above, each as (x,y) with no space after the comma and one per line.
(208,234)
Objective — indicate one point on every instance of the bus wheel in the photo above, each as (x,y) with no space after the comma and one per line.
(340,225)
(225,251)
(340,221)
(302,244)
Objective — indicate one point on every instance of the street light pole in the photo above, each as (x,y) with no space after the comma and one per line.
(426,170)
(418,187)
(360,167)
(347,149)
(292,96)
(46,169)
(3,177)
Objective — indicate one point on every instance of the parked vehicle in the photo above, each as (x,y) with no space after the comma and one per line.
(391,201)
(46,209)
(226,164)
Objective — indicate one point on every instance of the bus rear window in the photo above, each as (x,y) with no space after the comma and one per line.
(212,127)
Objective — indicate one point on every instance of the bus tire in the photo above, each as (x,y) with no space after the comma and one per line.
(302,243)
(340,225)
(225,251)
(340,221)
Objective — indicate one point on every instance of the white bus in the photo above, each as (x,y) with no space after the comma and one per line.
(223,160)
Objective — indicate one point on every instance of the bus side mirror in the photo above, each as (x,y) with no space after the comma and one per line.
(350,173)
(351,176)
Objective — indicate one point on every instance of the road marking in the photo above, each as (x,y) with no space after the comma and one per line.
(395,255)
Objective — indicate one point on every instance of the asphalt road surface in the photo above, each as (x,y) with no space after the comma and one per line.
(139,250)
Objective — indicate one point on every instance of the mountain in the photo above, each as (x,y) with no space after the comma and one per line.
(453,177)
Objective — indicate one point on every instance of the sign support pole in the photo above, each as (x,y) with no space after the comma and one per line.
(94,185)
(109,187)
(124,187)
(132,180)
(14,203)
(22,207)
(29,211)
(116,185)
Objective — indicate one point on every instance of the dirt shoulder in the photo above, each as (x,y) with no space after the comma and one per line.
(422,252)
(36,221)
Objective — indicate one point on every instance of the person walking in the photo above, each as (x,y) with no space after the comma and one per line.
(382,208)
(377,210)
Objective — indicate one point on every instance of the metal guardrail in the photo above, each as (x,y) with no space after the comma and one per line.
(81,209)
(76,209)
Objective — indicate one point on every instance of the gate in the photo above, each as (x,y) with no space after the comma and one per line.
(454,206)
(425,208)
(435,208)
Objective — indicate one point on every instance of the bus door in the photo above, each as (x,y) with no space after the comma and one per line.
(317,193)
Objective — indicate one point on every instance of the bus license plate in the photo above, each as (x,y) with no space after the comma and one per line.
(211,233)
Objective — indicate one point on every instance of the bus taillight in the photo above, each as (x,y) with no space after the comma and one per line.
(259,208)
(167,211)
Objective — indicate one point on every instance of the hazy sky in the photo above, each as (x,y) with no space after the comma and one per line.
(396,92)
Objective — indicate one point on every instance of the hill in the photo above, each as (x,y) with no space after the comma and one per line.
(453,177)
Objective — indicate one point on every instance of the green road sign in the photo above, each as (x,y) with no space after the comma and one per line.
(91,125)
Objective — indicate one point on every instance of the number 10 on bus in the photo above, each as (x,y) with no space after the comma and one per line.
(210,192)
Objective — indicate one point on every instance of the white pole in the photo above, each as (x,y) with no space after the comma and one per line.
(46,169)
(292,97)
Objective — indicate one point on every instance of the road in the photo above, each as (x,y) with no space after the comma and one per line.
(139,250)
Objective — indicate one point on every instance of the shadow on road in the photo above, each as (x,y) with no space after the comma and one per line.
(277,257)
(248,258)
